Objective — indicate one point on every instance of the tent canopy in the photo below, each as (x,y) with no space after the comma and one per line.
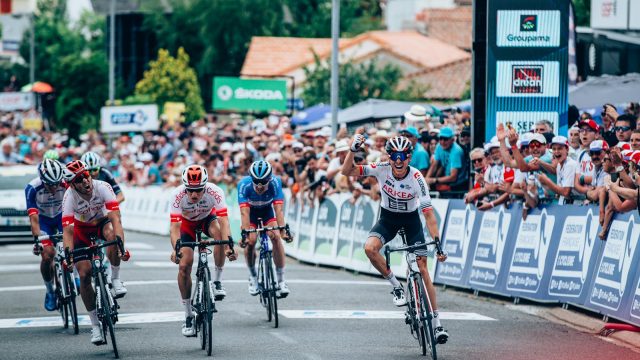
(311,115)
(597,91)
(377,109)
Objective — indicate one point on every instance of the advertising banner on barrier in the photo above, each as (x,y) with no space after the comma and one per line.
(346,227)
(459,243)
(612,291)
(115,119)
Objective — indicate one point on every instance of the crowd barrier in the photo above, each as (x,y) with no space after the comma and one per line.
(553,256)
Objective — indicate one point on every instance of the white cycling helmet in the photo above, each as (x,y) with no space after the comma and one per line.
(195,177)
(92,160)
(399,144)
(50,171)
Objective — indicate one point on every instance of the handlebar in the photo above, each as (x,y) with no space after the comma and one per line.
(244,233)
(94,247)
(56,237)
(201,244)
(412,248)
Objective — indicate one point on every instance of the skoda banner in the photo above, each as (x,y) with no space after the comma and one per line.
(230,93)
(114,119)
(527,64)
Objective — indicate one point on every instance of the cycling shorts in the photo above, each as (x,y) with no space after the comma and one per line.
(50,226)
(188,228)
(82,233)
(265,213)
(390,222)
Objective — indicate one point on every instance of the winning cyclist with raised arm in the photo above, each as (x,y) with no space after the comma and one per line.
(198,204)
(44,203)
(93,162)
(90,208)
(259,195)
(404,193)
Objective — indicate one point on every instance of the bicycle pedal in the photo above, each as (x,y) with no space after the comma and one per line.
(219,297)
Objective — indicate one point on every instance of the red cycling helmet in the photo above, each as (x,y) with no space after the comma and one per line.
(195,177)
(74,169)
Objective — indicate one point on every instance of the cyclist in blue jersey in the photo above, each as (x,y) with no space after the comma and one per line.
(260,197)
(94,161)
(44,203)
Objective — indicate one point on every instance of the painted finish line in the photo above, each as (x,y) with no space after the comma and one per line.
(360,314)
(178,316)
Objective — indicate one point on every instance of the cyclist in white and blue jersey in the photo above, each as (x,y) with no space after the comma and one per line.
(44,203)
(260,197)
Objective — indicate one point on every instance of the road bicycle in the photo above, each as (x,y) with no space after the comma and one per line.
(106,304)
(65,287)
(203,300)
(419,313)
(267,286)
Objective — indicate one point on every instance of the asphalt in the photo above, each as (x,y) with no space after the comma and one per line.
(242,332)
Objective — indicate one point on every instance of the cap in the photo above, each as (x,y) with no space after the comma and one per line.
(575,127)
(341,146)
(525,139)
(410,130)
(446,132)
(416,113)
(297,145)
(599,145)
(381,134)
(434,131)
(590,123)
(466,131)
(490,145)
(538,137)
(635,157)
(146,157)
(624,145)
(560,140)
(226,146)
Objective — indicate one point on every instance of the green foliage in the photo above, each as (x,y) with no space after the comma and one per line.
(171,79)
(358,82)
(583,12)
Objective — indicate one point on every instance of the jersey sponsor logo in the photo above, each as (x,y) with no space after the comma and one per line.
(417,175)
(388,182)
(397,194)
(398,205)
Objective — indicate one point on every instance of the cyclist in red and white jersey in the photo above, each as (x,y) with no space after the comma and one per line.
(90,208)
(198,204)
(404,196)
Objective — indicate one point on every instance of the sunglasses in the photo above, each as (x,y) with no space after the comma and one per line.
(535,145)
(595,153)
(80,177)
(395,156)
(195,190)
(297,150)
(477,160)
(261,181)
(622,128)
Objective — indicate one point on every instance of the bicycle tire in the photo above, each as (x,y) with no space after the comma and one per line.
(208,311)
(107,320)
(71,302)
(426,326)
(200,320)
(267,288)
(60,300)
(411,311)
(261,285)
(272,292)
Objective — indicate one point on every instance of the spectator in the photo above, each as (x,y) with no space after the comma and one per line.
(497,180)
(8,155)
(543,127)
(609,115)
(340,153)
(419,157)
(635,140)
(447,173)
(565,171)
(589,131)
(625,125)
(592,185)
(477,161)
(574,142)
(150,171)
(165,150)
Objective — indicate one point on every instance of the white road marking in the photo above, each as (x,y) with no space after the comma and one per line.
(22,247)
(228,281)
(365,314)
(136,318)
(19,267)
(169,264)
(284,338)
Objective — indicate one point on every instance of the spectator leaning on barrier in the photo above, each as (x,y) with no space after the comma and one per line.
(592,185)
(477,161)
(589,131)
(419,157)
(565,171)
(497,179)
(447,172)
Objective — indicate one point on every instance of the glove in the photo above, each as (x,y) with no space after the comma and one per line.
(126,256)
(37,249)
(358,140)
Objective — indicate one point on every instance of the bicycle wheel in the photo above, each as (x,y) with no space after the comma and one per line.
(107,320)
(273,303)
(411,311)
(426,327)
(60,300)
(261,284)
(200,318)
(71,301)
(266,287)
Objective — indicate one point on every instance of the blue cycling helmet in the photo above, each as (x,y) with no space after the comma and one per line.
(260,172)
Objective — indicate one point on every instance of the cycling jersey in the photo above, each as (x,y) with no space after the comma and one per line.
(41,202)
(399,195)
(248,197)
(212,202)
(77,210)
(585,164)
(499,174)
(106,176)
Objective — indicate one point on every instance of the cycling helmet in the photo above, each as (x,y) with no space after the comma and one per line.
(73,169)
(195,177)
(92,160)
(50,171)
(399,144)
(51,154)
(260,171)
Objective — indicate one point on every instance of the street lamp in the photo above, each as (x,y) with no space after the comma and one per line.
(335,37)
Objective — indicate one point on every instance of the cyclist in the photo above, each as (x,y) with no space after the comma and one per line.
(90,208)
(51,154)
(198,204)
(404,193)
(44,203)
(93,162)
(259,194)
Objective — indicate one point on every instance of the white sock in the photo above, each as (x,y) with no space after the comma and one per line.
(280,274)
(436,318)
(115,272)
(393,280)
(94,318)
(217,273)
(187,307)
(49,286)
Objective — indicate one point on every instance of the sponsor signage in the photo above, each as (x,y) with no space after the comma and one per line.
(528,28)
(11,101)
(523,121)
(458,243)
(325,228)
(365,217)
(230,93)
(306,220)
(115,119)
(345,230)
(527,62)
(610,14)
(490,248)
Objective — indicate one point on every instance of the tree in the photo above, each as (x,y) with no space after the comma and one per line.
(171,79)
(358,82)
(583,12)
